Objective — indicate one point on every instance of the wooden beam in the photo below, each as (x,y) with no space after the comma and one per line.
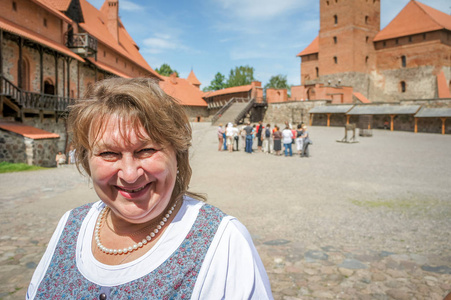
(1,54)
(347,119)
(443,124)
(392,119)
(311,120)
(328,120)
(416,125)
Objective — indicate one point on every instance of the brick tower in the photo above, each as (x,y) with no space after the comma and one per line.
(346,49)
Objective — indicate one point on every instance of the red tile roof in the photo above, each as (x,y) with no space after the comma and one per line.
(107,68)
(415,18)
(28,131)
(361,98)
(50,8)
(26,33)
(443,89)
(193,79)
(231,90)
(312,48)
(95,23)
(61,5)
(182,90)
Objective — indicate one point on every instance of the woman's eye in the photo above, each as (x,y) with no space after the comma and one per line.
(108,155)
(147,151)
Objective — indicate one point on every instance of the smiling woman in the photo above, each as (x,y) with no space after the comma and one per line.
(148,236)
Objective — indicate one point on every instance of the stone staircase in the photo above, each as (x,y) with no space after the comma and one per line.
(233,112)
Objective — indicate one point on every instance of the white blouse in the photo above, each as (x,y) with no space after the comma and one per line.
(232,268)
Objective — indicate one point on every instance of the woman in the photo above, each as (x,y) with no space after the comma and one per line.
(277,138)
(60,159)
(305,142)
(220,137)
(287,139)
(298,140)
(147,237)
(229,135)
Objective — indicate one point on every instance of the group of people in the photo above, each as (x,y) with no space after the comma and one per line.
(269,140)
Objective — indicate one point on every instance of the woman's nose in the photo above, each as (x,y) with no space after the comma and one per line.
(130,169)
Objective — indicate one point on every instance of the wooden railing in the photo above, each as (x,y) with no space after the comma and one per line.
(31,100)
(82,43)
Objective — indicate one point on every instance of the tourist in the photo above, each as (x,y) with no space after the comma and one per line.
(267,140)
(220,137)
(60,159)
(71,155)
(259,135)
(248,131)
(277,138)
(236,137)
(299,134)
(148,237)
(305,142)
(229,136)
(287,139)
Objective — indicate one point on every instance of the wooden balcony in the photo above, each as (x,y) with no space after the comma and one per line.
(82,44)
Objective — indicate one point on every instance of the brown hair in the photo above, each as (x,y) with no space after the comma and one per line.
(141,102)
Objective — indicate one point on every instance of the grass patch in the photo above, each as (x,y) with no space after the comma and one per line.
(6,167)
(392,204)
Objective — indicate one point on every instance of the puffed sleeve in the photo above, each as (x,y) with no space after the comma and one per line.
(232,268)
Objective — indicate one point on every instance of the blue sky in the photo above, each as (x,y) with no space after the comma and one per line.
(211,36)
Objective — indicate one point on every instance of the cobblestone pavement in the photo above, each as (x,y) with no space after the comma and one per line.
(369,220)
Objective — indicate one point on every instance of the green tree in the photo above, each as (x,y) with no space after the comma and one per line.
(166,70)
(242,75)
(278,82)
(217,83)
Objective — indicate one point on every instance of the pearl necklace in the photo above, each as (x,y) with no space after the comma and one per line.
(136,246)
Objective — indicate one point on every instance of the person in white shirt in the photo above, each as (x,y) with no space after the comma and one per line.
(287,139)
(147,236)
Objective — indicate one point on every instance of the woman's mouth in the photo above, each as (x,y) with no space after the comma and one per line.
(132,192)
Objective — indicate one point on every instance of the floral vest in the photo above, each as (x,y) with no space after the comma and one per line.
(174,279)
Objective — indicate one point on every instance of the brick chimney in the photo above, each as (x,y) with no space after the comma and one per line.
(112,12)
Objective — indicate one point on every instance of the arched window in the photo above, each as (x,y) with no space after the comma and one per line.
(402,86)
(366,60)
(335,39)
(24,70)
(335,19)
(366,19)
(49,88)
(335,60)
(403,61)
(317,72)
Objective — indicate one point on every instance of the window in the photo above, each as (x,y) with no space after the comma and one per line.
(424,36)
(366,39)
(384,44)
(335,19)
(14,6)
(317,72)
(410,39)
(396,41)
(403,61)
(366,60)
(45,22)
(335,39)
(366,19)
(403,86)
(327,2)
(335,60)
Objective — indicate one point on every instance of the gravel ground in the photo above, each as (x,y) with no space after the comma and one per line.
(369,220)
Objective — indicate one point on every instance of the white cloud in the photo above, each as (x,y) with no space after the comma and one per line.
(265,9)
(130,6)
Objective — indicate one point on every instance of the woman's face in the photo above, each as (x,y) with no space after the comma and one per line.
(134,176)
